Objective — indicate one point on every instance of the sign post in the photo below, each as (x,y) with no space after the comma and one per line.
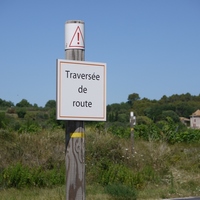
(74,135)
(132,123)
(80,96)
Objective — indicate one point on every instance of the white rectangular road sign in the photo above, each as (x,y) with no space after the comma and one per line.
(81,90)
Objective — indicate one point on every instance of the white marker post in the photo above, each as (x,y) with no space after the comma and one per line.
(132,123)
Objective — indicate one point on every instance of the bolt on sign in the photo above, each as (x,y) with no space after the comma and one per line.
(81,90)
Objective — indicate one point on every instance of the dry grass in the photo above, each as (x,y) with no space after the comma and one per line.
(179,164)
(57,193)
(31,149)
(183,163)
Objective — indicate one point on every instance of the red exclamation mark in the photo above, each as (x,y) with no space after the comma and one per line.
(77,38)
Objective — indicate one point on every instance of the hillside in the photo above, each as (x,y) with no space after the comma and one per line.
(164,162)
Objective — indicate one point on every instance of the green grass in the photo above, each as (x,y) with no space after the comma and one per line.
(57,193)
(154,170)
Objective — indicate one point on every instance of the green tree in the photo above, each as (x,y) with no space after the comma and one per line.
(133,97)
(141,105)
(4,103)
(164,99)
(53,121)
(50,104)
(23,103)
(144,120)
(185,109)
(171,114)
(35,105)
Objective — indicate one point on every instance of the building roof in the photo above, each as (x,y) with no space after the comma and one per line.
(184,119)
(196,114)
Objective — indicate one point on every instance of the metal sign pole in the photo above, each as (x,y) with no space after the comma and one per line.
(75,142)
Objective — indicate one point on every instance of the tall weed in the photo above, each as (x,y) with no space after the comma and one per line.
(121,192)
(20,176)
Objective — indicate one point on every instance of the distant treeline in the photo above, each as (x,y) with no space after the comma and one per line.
(174,106)
(155,119)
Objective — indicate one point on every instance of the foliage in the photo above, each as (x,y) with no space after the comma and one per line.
(4,103)
(149,132)
(3,120)
(5,137)
(169,113)
(26,160)
(37,160)
(147,112)
(168,131)
(50,104)
(174,106)
(32,147)
(121,174)
(111,163)
(132,98)
(185,109)
(21,113)
(29,128)
(119,129)
(23,103)
(11,110)
(20,176)
(118,112)
(120,191)
(52,119)
(189,136)
(143,120)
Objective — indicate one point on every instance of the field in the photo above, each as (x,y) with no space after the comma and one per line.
(32,166)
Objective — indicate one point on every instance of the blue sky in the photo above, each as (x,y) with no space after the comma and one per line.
(151,47)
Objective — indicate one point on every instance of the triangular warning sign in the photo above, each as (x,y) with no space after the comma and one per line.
(77,39)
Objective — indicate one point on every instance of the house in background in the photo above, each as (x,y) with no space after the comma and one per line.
(185,121)
(195,120)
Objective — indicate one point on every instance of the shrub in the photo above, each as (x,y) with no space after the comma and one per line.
(148,132)
(21,113)
(16,176)
(116,173)
(20,176)
(119,191)
(6,136)
(11,110)
(144,120)
(188,136)
(3,120)
(120,130)
(29,128)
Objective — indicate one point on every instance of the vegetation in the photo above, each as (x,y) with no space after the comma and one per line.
(162,162)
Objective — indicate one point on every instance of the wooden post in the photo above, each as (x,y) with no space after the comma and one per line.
(75,143)
(132,123)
